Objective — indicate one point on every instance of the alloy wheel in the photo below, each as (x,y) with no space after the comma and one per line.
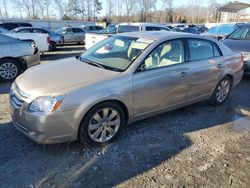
(222,90)
(8,71)
(104,124)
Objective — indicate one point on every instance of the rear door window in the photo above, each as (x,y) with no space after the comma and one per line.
(202,49)
(24,31)
(128,28)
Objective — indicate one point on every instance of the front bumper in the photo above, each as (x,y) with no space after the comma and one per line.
(32,60)
(43,128)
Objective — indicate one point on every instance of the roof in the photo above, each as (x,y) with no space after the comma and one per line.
(157,35)
(233,7)
(139,24)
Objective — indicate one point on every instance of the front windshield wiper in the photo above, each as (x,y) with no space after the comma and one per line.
(91,62)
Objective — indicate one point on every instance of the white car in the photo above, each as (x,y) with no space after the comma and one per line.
(93,38)
(42,40)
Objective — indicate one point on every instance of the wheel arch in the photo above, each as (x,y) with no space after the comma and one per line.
(23,64)
(119,102)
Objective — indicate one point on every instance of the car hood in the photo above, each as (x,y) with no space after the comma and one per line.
(61,77)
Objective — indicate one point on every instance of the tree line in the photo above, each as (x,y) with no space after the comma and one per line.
(112,10)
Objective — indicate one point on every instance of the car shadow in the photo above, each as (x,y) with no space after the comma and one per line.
(142,146)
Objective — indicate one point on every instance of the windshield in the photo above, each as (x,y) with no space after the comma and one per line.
(109,30)
(222,30)
(127,28)
(116,53)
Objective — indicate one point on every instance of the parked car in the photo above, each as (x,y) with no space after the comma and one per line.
(72,34)
(221,31)
(110,29)
(55,38)
(239,41)
(93,38)
(2,30)
(42,40)
(13,25)
(92,28)
(118,81)
(191,30)
(16,56)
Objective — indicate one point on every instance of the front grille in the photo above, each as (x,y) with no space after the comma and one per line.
(17,97)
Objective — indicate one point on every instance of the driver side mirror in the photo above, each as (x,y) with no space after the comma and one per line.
(141,68)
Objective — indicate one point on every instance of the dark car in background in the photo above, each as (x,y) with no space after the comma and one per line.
(239,40)
(223,30)
(191,30)
(55,38)
(13,25)
(92,28)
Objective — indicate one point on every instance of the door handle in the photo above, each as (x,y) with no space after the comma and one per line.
(183,74)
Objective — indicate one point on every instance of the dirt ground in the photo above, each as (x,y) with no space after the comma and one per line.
(196,146)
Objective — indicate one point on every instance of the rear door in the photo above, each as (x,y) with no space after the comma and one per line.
(68,35)
(206,66)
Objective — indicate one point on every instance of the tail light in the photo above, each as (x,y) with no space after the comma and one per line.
(48,40)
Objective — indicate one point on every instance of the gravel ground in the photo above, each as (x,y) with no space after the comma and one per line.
(196,146)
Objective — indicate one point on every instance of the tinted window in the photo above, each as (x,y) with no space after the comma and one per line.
(77,30)
(166,54)
(127,28)
(24,31)
(240,34)
(25,25)
(150,28)
(39,31)
(200,49)
(68,31)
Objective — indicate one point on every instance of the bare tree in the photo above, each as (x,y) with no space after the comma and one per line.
(168,5)
(110,9)
(89,6)
(5,9)
(129,6)
(61,7)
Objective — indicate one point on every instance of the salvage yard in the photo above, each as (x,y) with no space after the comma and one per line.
(196,146)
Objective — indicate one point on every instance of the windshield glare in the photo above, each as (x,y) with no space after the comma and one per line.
(117,52)
(221,30)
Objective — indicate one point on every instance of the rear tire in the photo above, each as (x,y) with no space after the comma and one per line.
(221,92)
(9,69)
(102,124)
(53,46)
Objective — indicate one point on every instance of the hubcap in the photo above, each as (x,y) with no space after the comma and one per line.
(8,71)
(104,124)
(222,90)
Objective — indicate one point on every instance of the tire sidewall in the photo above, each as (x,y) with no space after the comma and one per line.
(16,63)
(83,130)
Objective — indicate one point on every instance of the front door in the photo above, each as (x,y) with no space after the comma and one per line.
(160,81)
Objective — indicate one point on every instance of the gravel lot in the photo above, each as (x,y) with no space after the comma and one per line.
(196,146)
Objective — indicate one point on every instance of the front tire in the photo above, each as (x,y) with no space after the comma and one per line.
(221,92)
(9,69)
(102,124)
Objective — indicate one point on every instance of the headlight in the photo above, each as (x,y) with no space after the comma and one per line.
(46,103)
